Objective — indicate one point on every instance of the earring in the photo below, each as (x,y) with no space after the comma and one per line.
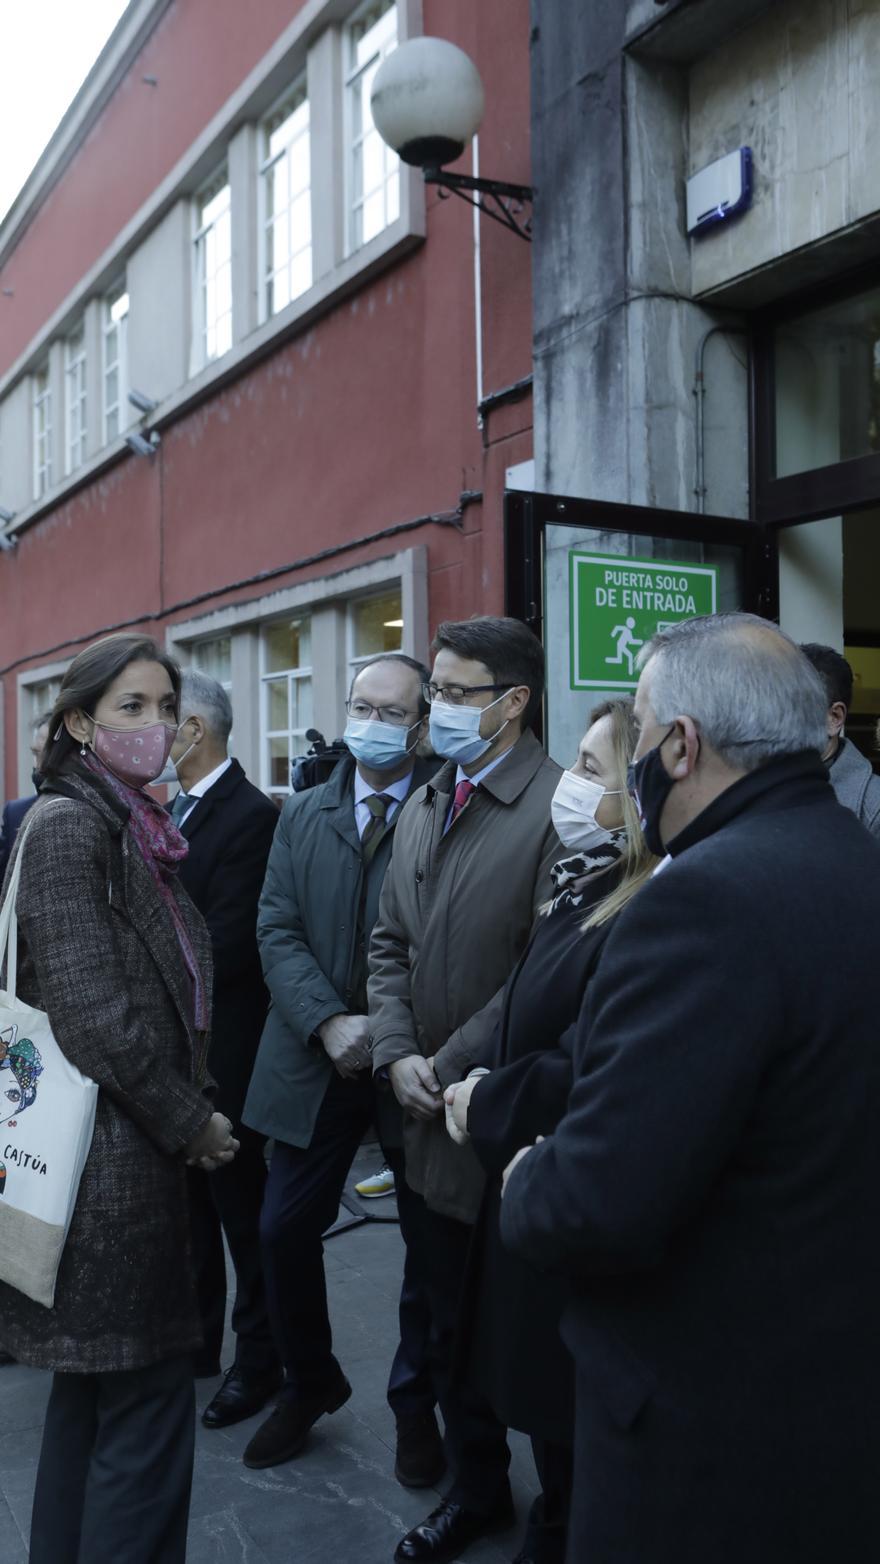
(82,750)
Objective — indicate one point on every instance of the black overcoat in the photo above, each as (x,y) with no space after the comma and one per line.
(509,1344)
(714,1194)
(230,832)
(99,953)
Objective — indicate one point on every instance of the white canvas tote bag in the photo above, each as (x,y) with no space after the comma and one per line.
(47,1116)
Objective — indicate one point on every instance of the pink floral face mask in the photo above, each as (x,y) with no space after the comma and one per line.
(134,755)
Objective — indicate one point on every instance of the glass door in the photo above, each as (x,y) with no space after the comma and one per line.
(596,581)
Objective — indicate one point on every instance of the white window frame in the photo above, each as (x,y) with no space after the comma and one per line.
(355,662)
(114,329)
(203,325)
(198,647)
(267,676)
(33,680)
(76,425)
(351,74)
(291,100)
(41,427)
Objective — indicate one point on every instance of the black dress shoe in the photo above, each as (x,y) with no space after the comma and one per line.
(5,1357)
(419,1460)
(286,1430)
(449,1529)
(240,1396)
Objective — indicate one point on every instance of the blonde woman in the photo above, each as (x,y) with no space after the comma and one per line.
(510,1348)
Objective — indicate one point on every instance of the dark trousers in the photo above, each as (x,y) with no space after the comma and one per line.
(229,1201)
(547,1528)
(475,1441)
(302,1197)
(115,1468)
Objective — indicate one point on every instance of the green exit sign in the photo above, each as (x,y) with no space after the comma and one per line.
(618,603)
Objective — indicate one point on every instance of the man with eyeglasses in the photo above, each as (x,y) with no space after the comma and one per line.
(311,1087)
(471,868)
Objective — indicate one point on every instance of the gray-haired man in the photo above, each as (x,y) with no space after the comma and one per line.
(713,1192)
(229,825)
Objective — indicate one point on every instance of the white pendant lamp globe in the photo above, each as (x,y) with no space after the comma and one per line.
(427,101)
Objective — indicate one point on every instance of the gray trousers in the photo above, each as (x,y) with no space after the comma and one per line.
(115,1471)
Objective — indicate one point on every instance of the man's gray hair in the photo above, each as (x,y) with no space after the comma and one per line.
(202,696)
(746,684)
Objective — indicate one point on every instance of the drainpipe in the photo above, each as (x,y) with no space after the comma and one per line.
(478,292)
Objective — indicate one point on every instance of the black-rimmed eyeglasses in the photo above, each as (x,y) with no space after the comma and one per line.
(454,694)
(397,716)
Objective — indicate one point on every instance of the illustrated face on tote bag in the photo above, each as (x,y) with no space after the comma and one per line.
(23,1059)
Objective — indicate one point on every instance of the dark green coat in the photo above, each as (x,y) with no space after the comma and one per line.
(306,929)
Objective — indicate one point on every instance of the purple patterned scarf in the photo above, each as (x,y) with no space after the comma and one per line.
(163,849)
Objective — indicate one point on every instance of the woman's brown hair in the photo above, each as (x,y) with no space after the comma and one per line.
(90,674)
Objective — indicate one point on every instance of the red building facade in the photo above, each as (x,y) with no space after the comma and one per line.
(216,228)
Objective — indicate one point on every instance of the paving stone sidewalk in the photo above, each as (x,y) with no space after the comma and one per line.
(338,1503)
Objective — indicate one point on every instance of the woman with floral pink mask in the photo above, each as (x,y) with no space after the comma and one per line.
(112,948)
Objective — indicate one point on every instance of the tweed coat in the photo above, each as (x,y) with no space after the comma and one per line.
(98,952)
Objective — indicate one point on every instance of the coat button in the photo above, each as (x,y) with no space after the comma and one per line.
(419,877)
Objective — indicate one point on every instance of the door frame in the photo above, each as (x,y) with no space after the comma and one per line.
(527,514)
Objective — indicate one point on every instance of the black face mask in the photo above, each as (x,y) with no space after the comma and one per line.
(36,778)
(649,785)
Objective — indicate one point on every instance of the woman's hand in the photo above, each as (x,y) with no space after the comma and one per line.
(458,1099)
(214,1146)
(523,1152)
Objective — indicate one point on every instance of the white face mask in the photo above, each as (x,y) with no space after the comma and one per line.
(168,776)
(573,811)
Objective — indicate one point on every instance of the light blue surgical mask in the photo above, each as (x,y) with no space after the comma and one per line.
(378,745)
(455,730)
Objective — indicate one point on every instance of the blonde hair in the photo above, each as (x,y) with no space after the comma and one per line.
(638,864)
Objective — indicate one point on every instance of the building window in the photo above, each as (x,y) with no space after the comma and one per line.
(285,175)
(827,364)
(40,699)
(286,710)
(75,412)
(42,416)
(214,658)
(373,169)
(375,625)
(212,312)
(114,325)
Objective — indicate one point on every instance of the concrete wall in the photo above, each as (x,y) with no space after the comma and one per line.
(801,87)
(616,335)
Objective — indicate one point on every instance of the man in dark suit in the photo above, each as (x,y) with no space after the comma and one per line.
(714,1189)
(312,1088)
(16,809)
(229,825)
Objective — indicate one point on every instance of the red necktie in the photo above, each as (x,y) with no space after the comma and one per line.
(462,794)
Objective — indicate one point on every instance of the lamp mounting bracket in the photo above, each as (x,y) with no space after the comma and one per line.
(497,199)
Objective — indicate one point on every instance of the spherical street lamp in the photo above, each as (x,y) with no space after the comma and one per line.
(427,101)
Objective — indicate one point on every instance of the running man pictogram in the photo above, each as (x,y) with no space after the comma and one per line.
(626,644)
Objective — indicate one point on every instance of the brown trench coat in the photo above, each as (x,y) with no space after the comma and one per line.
(98,953)
(455,914)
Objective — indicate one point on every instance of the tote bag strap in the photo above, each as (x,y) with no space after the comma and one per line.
(8,919)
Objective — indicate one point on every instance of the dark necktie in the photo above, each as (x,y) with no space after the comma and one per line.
(376,826)
(462,794)
(181,805)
